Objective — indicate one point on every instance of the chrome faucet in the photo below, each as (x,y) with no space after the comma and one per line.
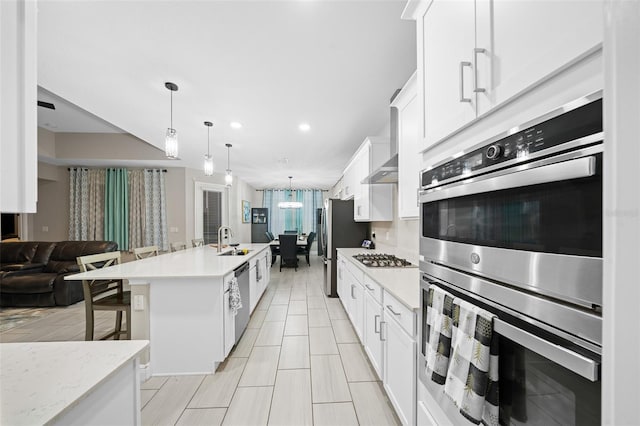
(223,228)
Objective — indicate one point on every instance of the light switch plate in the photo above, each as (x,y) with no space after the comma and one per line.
(138,302)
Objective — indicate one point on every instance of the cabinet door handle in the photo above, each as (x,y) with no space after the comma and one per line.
(390,308)
(477,50)
(376,324)
(381,339)
(369,287)
(352,288)
(359,207)
(462,65)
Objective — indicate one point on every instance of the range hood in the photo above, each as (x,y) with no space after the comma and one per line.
(388,171)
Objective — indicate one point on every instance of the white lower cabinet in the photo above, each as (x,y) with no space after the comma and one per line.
(229,318)
(371,332)
(351,294)
(387,331)
(399,368)
(258,277)
(253,284)
(424,417)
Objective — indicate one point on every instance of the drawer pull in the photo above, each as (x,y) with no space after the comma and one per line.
(390,308)
(369,287)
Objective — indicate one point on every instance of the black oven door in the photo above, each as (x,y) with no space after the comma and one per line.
(541,381)
(537,226)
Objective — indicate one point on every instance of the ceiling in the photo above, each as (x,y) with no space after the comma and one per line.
(269,65)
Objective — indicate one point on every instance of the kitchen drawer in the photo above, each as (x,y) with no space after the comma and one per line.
(373,288)
(396,310)
(355,270)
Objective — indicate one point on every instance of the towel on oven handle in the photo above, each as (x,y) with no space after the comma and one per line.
(472,379)
(438,332)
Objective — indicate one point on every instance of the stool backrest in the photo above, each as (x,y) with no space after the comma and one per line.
(144,252)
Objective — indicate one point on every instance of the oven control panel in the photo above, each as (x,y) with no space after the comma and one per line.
(583,121)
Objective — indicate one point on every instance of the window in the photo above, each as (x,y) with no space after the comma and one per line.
(210,211)
(211,215)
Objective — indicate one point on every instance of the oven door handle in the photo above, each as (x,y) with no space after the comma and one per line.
(585,367)
(521,176)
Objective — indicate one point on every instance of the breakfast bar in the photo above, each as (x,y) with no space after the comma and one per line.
(191,327)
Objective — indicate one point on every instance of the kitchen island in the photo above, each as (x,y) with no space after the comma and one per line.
(190,324)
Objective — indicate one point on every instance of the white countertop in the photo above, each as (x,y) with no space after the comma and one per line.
(40,381)
(192,262)
(402,283)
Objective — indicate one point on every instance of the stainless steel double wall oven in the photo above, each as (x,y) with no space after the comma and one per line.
(514,225)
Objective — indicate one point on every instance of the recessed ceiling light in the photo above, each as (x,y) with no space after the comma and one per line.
(304,127)
(235,125)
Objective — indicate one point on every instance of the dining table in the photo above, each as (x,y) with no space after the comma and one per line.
(301,241)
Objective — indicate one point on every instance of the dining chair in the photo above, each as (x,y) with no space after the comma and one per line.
(198,242)
(307,249)
(104,295)
(288,251)
(180,245)
(144,252)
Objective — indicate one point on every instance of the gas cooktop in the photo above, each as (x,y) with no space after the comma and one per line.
(382,260)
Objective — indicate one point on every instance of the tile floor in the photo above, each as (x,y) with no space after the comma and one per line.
(299,362)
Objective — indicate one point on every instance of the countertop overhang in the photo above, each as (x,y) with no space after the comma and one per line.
(40,381)
(197,262)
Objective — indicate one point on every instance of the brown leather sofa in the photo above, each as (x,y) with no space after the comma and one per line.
(32,272)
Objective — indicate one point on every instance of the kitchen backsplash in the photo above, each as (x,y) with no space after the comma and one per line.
(400,236)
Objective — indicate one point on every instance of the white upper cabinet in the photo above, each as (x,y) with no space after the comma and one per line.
(447,43)
(408,149)
(474,56)
(372,202)
(18,85)
(531,41)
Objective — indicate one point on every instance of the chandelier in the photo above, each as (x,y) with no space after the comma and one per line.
(290,204)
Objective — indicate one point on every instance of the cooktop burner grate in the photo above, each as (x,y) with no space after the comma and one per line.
(382,260)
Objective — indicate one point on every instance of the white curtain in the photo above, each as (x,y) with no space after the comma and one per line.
(155,230)
(137,208)
(303,219)
(86,204)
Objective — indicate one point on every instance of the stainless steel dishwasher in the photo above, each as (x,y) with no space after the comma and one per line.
(242,317)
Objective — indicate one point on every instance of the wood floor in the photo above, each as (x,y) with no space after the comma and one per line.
(299,362)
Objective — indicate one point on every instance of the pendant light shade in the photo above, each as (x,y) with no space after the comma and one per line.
(290,204)
(228,176)
(171,138)
(208,158)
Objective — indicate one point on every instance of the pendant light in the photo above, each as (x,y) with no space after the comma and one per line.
(208,159)
(228,177)
(171,139)
(290,204)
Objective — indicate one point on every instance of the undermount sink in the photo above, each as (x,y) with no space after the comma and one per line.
(236,253)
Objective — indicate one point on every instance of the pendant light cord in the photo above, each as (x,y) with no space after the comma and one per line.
(171,123)
(208,153)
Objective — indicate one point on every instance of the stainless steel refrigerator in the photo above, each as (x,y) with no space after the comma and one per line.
(339,230)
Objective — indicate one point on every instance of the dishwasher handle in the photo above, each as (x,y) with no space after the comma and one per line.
(241,269)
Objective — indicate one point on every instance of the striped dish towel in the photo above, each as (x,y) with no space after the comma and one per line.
(438,332)
(235,302)
(472,380)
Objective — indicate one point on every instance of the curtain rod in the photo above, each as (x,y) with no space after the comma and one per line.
(108,168)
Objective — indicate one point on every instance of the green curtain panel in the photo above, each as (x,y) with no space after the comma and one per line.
(116,207)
